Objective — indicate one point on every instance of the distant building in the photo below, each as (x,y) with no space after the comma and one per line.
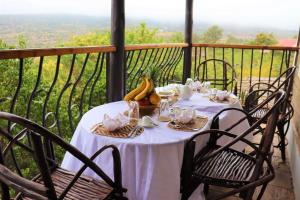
(287,42)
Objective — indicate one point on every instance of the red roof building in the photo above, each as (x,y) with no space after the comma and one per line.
(287,42)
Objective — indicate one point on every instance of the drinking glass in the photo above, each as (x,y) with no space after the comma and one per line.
(164,113)
(133,112)
(213,93)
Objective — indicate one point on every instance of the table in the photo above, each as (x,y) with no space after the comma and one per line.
(151,162)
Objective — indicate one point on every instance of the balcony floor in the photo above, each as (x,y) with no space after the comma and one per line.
(281,188)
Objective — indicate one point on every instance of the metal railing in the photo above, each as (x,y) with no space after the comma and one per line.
(166,58)
(55,87)
(251,63)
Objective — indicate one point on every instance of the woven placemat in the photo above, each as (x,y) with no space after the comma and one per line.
(195,125)
(123,132)
(229,100)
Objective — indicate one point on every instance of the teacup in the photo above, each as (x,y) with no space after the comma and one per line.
(147,121)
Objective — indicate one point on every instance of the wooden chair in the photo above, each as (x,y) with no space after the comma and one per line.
(260,91)
(51,181)
(223,166)
(219,72)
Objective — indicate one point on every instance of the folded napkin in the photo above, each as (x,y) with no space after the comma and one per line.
(174,88)
(185,115)
(114,123)
(222,95)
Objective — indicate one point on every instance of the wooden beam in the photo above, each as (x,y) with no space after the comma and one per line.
(241,46)
(154,46)
(117,71)
(187,66)
(28,53)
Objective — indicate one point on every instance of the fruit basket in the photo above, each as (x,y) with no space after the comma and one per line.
(147,109)
(145,94)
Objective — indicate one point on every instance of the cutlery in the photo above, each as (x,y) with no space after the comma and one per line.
(134,131)
(95,126)
(184,126)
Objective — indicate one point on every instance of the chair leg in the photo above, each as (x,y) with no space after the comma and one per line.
(280,128)
(248,195)
(206,189)
(262,191)
(184,196)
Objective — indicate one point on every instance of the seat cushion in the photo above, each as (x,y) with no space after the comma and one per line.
(260,113)
(84,188)
(228,167)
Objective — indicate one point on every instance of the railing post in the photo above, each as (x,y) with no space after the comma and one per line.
(296,58)
(116,74)
(187,65)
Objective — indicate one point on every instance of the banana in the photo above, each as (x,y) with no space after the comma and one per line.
(131,95)
(151,87)
(144,92)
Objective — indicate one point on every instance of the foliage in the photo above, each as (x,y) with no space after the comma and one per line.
(142,35)
(212,35)
(136,35)
(89,39)
(264,39)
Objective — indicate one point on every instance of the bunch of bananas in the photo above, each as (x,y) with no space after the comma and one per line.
(145,93)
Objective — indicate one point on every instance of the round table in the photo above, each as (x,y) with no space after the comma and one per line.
(151,162)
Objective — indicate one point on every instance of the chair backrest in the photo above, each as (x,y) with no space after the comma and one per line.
(283,82)
(219,72)
(266,141)
(19,143)
(30,137)
(261,152)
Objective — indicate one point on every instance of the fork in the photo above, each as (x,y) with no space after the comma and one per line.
(135,132)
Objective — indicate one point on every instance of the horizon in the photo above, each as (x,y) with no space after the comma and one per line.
(251,13)
(151,20)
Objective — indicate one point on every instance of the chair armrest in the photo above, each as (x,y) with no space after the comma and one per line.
(29,188)
(216,118)
(253,97)
(239,138)
(71,149)
(269,86)
(117,170)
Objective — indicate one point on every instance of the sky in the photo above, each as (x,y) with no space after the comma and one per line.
(284,14)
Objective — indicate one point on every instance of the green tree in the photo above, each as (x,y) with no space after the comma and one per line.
(142,35)
(135,35)
(212,35)
(22,42)
(264,39)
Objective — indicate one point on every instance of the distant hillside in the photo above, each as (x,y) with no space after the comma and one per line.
(52,30)
(48,30)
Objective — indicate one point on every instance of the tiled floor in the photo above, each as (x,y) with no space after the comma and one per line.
(281,187)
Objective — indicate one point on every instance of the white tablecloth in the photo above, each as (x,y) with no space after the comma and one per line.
(151,162)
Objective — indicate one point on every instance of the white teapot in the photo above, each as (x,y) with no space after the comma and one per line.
(186,92)
(189,81)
